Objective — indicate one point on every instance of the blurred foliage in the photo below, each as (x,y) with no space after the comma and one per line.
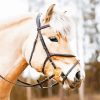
(92,81)
(18,93)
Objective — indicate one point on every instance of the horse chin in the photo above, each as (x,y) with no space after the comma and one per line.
(72,86)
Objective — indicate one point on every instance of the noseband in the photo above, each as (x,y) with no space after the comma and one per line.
(48,58)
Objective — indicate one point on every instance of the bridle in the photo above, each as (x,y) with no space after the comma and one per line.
(48,58)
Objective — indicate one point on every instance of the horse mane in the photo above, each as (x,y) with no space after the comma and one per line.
(60,22)
(15,21)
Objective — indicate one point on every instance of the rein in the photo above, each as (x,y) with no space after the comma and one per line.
(48,58)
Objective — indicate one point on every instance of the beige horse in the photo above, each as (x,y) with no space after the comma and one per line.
(16,42)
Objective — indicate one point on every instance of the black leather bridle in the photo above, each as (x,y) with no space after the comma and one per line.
(48,58)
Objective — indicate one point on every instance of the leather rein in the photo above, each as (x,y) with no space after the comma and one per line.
(48,58)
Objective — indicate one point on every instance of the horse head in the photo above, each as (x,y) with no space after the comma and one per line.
(49,51)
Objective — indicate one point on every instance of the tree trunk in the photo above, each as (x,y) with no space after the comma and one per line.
(49,89)
(28,90)
(61,92)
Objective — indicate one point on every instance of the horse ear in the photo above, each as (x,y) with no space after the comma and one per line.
(49,13)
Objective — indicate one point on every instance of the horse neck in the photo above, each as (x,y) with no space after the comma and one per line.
(12,38)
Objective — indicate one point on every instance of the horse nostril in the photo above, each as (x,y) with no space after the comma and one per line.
(78,75)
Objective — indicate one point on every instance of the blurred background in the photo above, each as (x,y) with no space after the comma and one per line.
(86,14)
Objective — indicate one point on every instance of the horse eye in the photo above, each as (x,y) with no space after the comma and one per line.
(53,39)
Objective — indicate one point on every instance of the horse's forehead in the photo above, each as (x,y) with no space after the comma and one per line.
(49,32)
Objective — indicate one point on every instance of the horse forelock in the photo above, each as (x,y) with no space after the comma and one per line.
(60,21)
